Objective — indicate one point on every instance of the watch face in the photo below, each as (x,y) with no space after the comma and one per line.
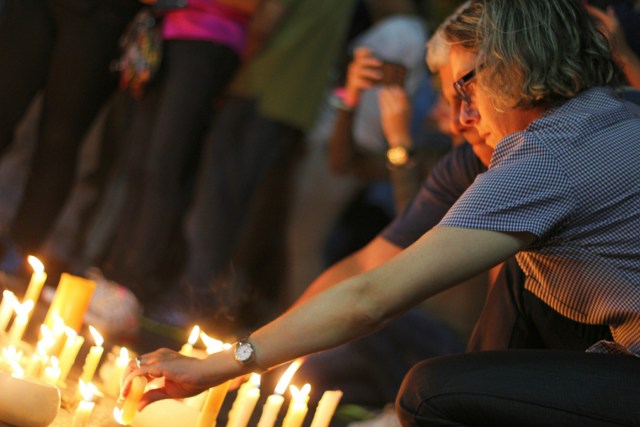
(244,352)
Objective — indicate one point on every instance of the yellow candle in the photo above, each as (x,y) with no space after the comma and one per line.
(38,361)
(187,348)
(212,405)
(7,308)
(20,322)
(52,371)
(69,353)
(37,280)
(10,361)
(85,407)
(246,399)
(71,301)
(274,402)
(58,330)
(112,387)
(93,357)
(297,407)
(326,408)
(129,407)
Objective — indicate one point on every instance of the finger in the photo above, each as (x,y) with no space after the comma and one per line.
(152,396)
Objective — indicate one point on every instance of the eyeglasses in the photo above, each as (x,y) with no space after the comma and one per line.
(461,83)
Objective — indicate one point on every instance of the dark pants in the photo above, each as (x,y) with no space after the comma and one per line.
(556,384)
(236,227)
(163,151)
(63,48)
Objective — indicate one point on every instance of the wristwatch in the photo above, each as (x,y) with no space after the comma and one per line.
(245,354)
(399,156)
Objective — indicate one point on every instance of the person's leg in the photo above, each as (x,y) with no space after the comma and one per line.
(522,388)
(78,82)
(195,74)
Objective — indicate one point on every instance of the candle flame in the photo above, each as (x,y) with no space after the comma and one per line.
(213,345)
(54,363)
(10,297)
(254,379)
(97,338)
(87,390)
(70,333)
(16,370)
(23,310)
(193,336)
(285,379)
(300,394)
(11,353)
(117,415)
(47,340)
(36,264)
(58,324)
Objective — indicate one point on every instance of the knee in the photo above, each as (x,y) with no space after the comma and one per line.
(415,403)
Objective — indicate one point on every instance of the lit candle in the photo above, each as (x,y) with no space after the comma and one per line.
(69,353)
(20,322)
(58,329)
(37,280)
(112,387)
(215,395)
(127,411)
(326,408)
(246,399)
(7,308)
(93,357)
(274,402)
(52,371)
(38,360)
(85,407)
(187,348)
(71,301)
(11,359)
(297,407)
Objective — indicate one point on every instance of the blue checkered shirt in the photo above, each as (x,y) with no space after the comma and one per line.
(572,178)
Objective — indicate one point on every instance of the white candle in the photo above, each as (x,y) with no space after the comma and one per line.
(274,402)
(297,407)
(85,407)
(187,348)
(20,322)
(112,387)
(69,353)
(246,399)
(326,408)
(52,371)
(37,280)
(93,357)
(7,308)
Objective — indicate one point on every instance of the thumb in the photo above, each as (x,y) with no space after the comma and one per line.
(153,396)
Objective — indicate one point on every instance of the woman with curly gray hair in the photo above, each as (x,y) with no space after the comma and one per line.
(562,193)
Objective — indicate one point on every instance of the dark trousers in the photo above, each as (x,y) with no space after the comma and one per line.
(163,151)
(236,226)
(63,48)
(534,371)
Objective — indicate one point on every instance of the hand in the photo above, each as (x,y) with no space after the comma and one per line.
(395,113)
(608,23)
(363,73)
(183,376)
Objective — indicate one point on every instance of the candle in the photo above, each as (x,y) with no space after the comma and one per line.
(85,407)
(69,353)
(11,358)
(71,301)
(212,405)
(27,402)
(274,402)
(326,408)
(246,399)
(297,407)
(37,280)
(125,414)
(93,357)
(187,348)
(52,371)
(38,360)
(112,387)
(7,308)
(20,322)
